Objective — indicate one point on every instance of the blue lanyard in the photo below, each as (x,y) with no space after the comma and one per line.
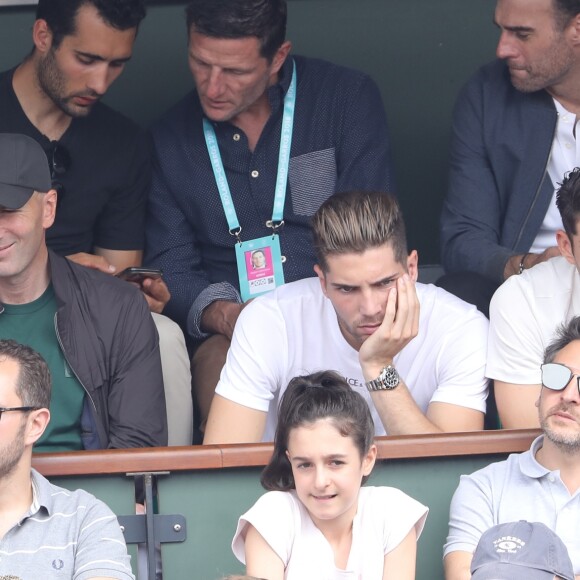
(283,163)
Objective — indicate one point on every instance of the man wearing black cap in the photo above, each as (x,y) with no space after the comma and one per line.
(94,330)
(540,485)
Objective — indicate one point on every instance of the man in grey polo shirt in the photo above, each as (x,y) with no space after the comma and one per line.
(45,531)
(540,485)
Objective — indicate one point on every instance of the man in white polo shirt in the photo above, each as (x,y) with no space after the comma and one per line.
(415,352)
(45,531)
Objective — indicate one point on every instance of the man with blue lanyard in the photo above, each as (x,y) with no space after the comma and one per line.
(244,161)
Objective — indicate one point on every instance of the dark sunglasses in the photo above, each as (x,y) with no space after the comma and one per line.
(556,376)
(59,163)
(23,409)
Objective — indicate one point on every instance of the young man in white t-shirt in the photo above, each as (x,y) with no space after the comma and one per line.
(526,311)
(416,353)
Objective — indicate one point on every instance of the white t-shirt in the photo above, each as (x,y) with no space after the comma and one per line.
(525,313)
(384,517)
(294,331)
(564,156)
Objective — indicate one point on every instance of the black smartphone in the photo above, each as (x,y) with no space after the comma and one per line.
(135,274)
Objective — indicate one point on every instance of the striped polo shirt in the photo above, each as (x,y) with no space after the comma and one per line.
(65,534)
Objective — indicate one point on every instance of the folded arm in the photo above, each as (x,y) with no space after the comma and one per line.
(137,413)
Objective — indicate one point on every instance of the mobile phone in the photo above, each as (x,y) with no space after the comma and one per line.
(135,274)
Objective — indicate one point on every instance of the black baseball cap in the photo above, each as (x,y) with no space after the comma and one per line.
(23,170)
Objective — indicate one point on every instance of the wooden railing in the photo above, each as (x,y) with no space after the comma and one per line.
(252,455)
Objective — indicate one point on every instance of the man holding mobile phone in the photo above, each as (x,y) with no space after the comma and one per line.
(99,160)
(413,351)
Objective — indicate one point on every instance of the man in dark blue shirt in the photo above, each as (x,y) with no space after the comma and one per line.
(338,140)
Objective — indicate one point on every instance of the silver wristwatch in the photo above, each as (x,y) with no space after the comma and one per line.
(387,381)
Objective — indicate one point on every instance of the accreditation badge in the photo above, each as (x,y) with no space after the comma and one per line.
(259,266)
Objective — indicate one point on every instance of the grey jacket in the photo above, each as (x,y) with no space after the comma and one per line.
(499,187)
(109,339)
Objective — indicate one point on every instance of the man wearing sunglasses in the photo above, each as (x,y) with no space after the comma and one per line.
(94,330)
(540,485)
(99,160)
(38,536)
(526,311)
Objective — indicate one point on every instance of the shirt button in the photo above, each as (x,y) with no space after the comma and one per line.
(551,479)
(255,173)
(282,259)
(236,137)
(568,146)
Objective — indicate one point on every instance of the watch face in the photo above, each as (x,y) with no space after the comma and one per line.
(387,380)
(390,377)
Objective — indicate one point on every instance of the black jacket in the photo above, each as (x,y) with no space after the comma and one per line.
(109,339)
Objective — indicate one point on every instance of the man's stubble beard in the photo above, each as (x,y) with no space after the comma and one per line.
(53,85)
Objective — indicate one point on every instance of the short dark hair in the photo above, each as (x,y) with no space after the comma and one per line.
(60,15)
(33,386)
(355,221)
(565,334)
(565,10)
(568,201)
(264,19)
(322,395)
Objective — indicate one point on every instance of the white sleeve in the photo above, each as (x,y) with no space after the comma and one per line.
(257,356)
(461,364)
(276,517)
(515,345)
(470,513)
(399,513)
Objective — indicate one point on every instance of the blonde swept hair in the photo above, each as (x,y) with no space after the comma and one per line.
(355,221)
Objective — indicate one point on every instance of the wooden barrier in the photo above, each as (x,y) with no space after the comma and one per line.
(212,485)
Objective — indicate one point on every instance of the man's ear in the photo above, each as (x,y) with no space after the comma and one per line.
(280,57)
(565,246)
(413,265)
(573,30)
(321,278)
(37,422)
(41,36)
(49,208)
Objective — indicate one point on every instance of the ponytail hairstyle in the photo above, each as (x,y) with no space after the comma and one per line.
(322,395)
